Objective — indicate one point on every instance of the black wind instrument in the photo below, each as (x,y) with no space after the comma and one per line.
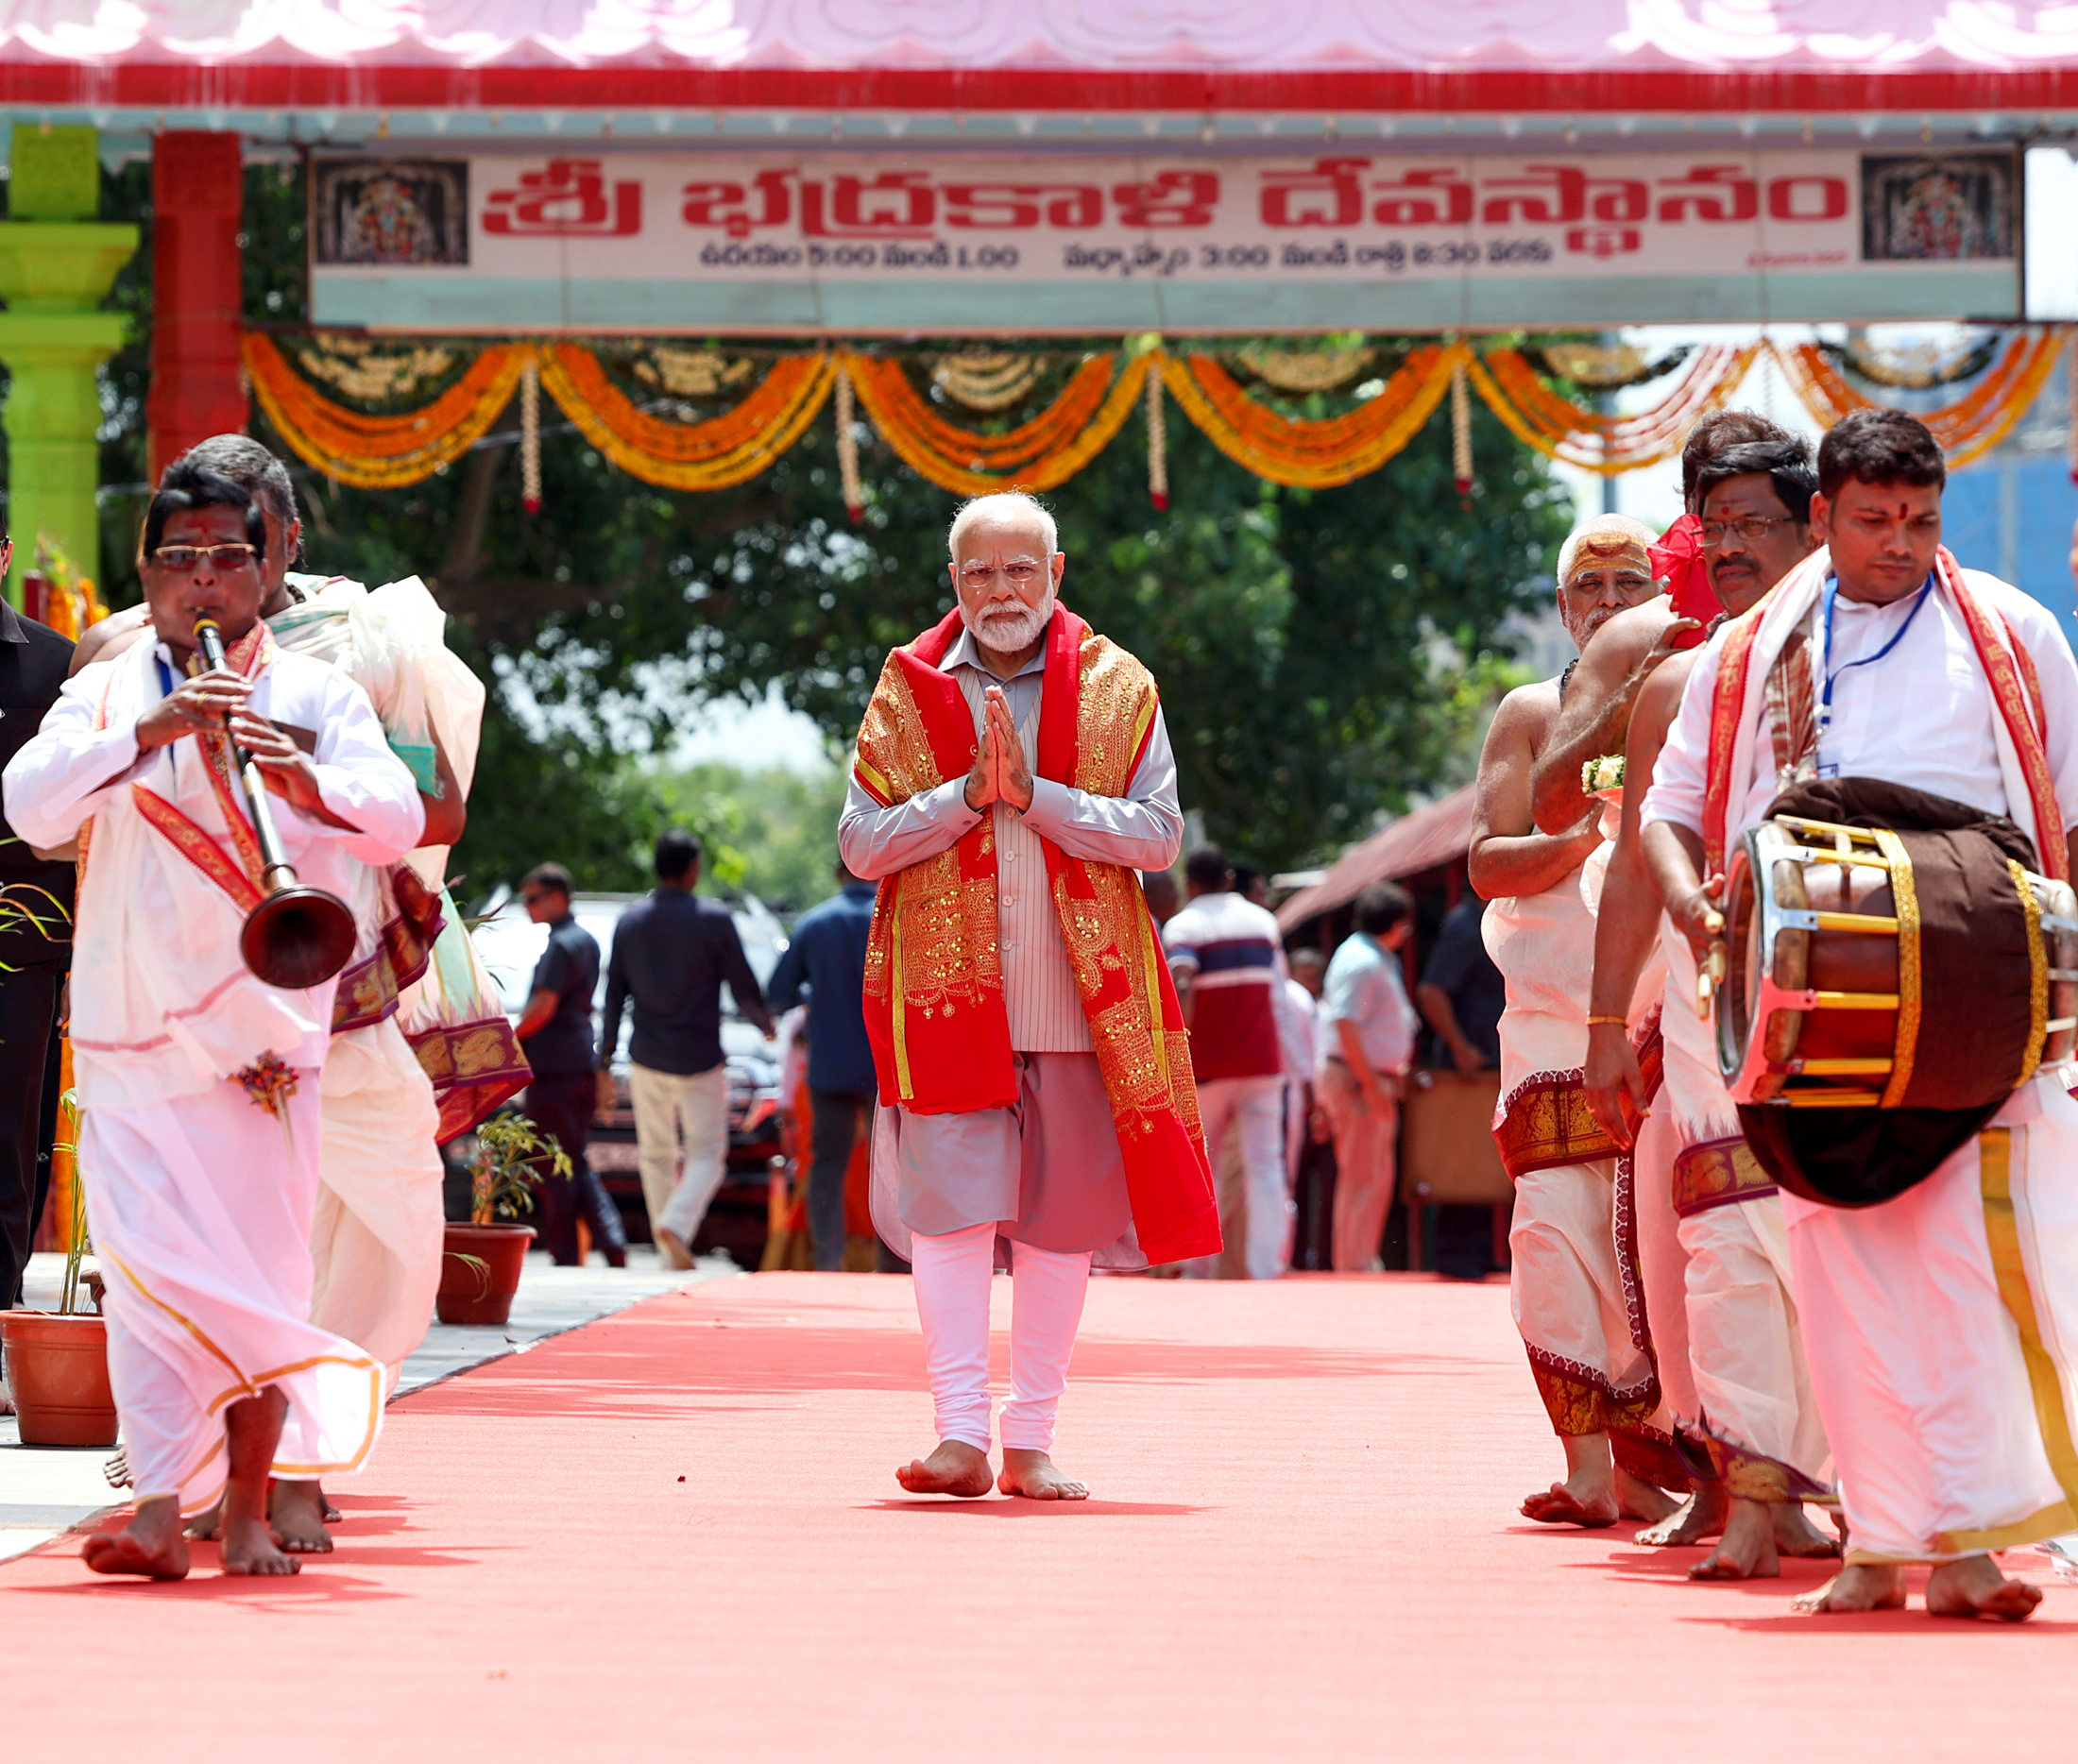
(297,936)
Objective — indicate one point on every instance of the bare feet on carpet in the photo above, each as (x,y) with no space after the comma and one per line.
(150,1544)
(677,1253)
(1864,1586)
(254,1426)
(1795,1534)
(1746,1550)
(204,1526)
(1975,1588)
(1588,1496)
(1031,1474)
(296,1517)
(955,1469)
(1702,1515)
(1641,1500)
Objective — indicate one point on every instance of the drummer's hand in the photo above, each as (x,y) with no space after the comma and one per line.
(196,706)
(1700,916)
(1615,1086)
(286,768)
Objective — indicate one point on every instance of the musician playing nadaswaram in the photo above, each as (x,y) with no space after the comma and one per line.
(1013,772)
(1939,1320)
(200,1142)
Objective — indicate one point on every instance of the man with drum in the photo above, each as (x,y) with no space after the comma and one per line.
(1933,1241)
(1592,1369)
(1734,1376)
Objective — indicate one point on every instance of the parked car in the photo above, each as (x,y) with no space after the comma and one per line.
(511,945)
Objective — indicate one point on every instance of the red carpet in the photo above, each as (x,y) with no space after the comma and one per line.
(675,1535)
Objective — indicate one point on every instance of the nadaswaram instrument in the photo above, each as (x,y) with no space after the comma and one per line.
(297,936)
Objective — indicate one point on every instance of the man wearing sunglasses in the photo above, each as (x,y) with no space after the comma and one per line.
(414,993)
(201,1143)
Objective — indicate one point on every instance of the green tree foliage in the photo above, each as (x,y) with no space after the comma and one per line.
(1322,654)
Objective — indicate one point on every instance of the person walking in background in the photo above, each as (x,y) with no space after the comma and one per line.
(555,1031)
(828,958)
(1163,898)
(1461,996)
(1299,1034)
(671,955)
(1226,955)
(1370,1029)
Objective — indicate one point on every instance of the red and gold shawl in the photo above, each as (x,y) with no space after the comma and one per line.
(934,980)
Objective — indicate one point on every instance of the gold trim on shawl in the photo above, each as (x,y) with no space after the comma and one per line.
(899,993)
(2037,974)
(1150,957)
(1546,1124)
(1905,896)
(2002,1232)
(1717,1173)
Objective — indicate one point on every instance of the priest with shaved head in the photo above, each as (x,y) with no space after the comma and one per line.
(1036,1101)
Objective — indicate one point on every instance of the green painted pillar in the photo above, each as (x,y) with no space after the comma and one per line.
(57,264)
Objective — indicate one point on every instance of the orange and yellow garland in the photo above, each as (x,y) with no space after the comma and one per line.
(374,452)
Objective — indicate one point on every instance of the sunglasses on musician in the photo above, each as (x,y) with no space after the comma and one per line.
(183,559)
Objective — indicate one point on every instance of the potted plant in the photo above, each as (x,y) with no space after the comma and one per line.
(57,1362)
(480,1271)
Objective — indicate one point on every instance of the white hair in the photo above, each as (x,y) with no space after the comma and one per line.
(1600,526)
(1005,506)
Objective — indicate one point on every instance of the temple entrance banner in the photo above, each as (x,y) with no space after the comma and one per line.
(864,242)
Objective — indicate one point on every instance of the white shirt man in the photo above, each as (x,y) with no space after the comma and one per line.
(1937,1321)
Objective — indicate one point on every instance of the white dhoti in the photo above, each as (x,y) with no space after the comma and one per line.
(200,1210)
(1578,1300)
(376,1241)
(1944,1333)
(1751,1404)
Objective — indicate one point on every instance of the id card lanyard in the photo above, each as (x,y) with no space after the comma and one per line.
(1829,675)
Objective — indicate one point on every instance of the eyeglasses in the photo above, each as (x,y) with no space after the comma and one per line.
(180,559)
(1751,528)
(1020,575)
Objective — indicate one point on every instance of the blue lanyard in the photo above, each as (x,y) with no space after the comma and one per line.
(1832,673)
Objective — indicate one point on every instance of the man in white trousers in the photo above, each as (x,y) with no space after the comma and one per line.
(1035,1091)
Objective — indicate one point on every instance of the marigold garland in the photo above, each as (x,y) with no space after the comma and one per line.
(1314,455)
(386,451)
(1967,429)
(382,452)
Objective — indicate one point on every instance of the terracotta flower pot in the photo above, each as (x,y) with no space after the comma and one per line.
(480,1272)
(57,1378)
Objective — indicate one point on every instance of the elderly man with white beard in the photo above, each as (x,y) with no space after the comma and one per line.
(1037,1100)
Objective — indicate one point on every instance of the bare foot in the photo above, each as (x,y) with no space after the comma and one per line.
(150,1544)
(296,1513)
(1746,1550)
(248,1549)
(1864,1586)
(1795,1534)
(1564,1503)
(203,1526)
(955,1469)
(1701,1516)
(673,1250)
(1031,1474)
(1641,1500)
(1975,1588)
(252,1429)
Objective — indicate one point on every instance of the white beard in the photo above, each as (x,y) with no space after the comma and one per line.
(1006,632)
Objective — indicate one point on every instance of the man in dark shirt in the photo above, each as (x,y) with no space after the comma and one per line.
(555,1031)
(671,954)
(828,957)
(36,950)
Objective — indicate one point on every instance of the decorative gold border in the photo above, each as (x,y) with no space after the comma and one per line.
(1717,1173)
(2037,973)
(1904,894)
(899,991)
(2002,1232)
(1546,1124)
(190,840)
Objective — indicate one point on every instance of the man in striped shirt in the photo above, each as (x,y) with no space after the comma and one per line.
(1227,957)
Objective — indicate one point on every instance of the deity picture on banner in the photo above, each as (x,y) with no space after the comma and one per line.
(1950,208)
(393,212)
